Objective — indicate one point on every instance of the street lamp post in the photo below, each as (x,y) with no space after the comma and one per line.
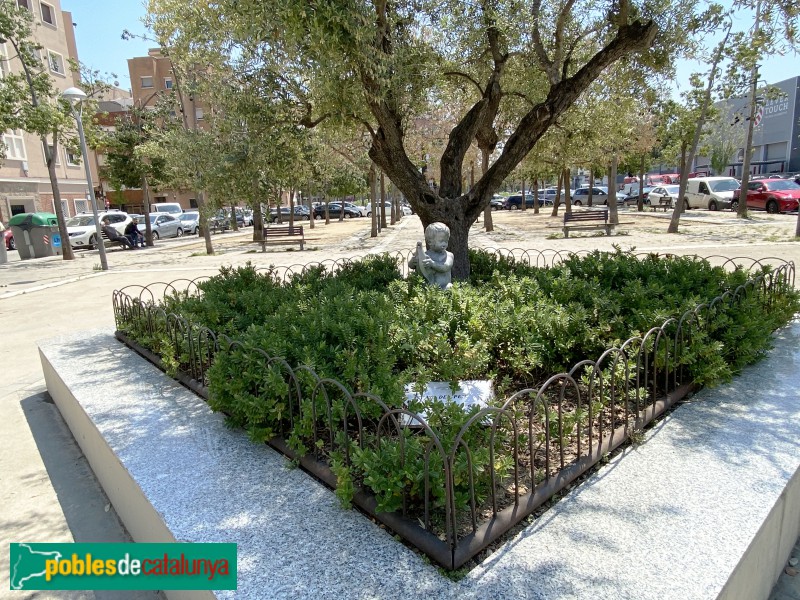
(75,97)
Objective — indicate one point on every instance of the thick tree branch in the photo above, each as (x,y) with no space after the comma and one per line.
(630,38)
(465,76)
(538,47)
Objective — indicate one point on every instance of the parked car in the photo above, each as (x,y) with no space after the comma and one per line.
(82,230)
(599,196)
(405,209)
(8,237)
(514,201)
(497,202)
(665,193)
(300,214)
(190,222)
(713,193)
(172,208)
(163,225)
(773,195)
(334,210)
(630,193)
(548,195)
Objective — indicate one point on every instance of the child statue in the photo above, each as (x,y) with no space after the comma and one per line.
(435,263)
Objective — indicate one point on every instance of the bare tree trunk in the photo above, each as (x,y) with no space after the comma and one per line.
(383,203)
(234,223)
(613,214)
(567,196)
(66,246)
(373,193)
(148,228)
(488,218)
(535,196)
(291,207)
(590,199)
(201,205)
(557,199)
(640,202)
(310,212)
(522,207)
(258,218)
(680,204)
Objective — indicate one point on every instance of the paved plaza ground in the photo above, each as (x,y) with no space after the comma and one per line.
(48,491)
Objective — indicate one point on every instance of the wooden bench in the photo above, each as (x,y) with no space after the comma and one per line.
(284,235)
(111,243)
(664,204)
(587,220)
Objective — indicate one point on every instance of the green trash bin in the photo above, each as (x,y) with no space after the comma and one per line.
(36,235)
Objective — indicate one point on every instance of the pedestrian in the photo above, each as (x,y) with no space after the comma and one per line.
(114,235)
(133,234)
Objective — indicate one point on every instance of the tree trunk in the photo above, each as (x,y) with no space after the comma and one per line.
(383,203)
(291,207)
(522,207)
(66,246)
(310,212)
(640,202)
(373,193)
(234,223)
(148,227)
(590,199)
(613,215)
(488,218)
(567,196)
(535,196)
(680,205)
(201,207)
(557,199)
(258,218)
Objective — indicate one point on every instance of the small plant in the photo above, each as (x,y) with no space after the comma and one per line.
(97,267)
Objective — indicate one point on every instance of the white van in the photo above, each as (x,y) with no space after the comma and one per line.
(172,208)
(713,193)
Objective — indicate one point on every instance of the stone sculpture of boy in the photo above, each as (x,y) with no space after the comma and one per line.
(435,263)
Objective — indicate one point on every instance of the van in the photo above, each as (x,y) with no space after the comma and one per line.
(172,208)
(713,193)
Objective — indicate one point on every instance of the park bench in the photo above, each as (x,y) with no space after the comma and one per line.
(664,204)
(111,243)
(587,220)
(284,235)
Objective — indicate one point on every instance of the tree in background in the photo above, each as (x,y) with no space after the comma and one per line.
(379,65)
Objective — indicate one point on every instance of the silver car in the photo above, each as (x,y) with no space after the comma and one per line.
(163,226)
(190,222)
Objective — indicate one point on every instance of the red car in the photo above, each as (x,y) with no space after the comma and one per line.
(8,237)
(773,195)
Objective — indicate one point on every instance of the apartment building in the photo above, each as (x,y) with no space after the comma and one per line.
(151,77)
(24,182)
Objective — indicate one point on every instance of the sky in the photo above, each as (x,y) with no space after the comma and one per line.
(100,45)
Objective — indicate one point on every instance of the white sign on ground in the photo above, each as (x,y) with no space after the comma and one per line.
(475,392)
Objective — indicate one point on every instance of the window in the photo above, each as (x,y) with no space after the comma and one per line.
(81,206)
(198,114)
(147,82)
(73,158)
(168,83)
(703,188)
(52,149)
(48,14)
(56,62)
(24,4)
(15,145)
(65,208)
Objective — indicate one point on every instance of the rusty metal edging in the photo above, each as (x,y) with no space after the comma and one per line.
(469,545)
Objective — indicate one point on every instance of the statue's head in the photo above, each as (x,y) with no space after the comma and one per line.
(437,236)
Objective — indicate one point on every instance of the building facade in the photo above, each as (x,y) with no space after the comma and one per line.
(24,181)
(152,77)
(776,133)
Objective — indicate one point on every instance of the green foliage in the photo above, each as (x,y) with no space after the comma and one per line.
(374,332)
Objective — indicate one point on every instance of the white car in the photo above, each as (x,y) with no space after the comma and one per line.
(664,194)
(83,233)
(405,210)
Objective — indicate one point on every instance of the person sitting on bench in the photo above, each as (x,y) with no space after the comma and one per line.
(114,235)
